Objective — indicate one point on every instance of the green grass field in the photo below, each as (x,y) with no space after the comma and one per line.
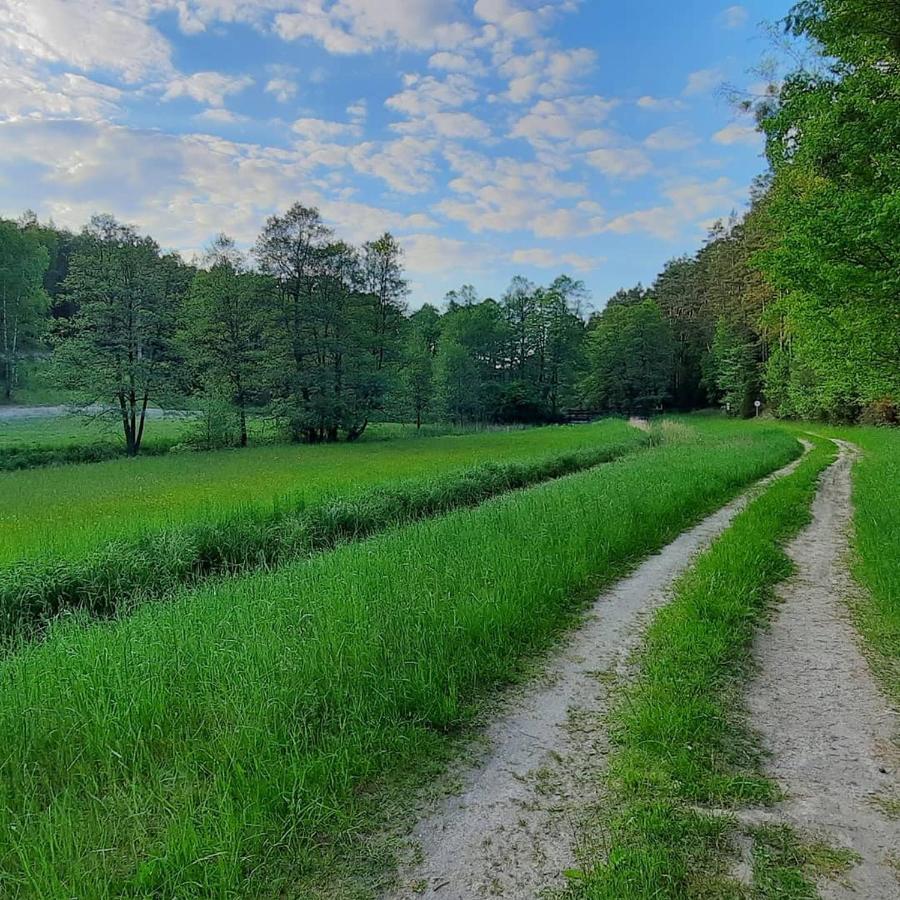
(232,742)
(68,510)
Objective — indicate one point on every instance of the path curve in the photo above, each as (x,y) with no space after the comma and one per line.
(513,828)
(831,734)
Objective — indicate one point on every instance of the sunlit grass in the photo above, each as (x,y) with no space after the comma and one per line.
(116,576)
(66,511)
(219,745)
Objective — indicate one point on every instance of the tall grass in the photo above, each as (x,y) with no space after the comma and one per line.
(228,743)
(679,734)
(117,576)
(876,498)
(68,511)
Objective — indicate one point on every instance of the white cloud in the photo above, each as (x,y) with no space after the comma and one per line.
(218,115)
(520,18)
(361,26)
(660,104)
(88,35)
(431,254)
(507,195)
(690,204)
(734,17)
(561,120)
(282,82)
(33,93)
(738,133)
(542,258)
(318,130)
(431,105)
(358,110)
(545,73)
(703,81)
(182,189)
(672,138)
(447,61)
(620,162)
(210,88)
(406,165)
(424,95)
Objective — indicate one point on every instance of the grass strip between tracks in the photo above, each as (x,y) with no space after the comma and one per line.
(680,735)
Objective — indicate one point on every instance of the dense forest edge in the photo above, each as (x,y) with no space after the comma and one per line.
(792,304)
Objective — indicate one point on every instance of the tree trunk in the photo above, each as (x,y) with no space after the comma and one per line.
(126,426)
(243,418)
(354,434)
(139,437)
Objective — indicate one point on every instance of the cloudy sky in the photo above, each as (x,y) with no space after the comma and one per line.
(494,137)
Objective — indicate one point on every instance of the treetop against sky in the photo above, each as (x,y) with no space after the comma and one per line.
(492,137)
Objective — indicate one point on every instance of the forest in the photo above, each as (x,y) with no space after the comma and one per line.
(793,302)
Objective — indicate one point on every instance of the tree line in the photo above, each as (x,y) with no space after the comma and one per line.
(796,303)
(306,327)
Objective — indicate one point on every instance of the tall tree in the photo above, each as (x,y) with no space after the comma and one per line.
(833,213)
(423,331)
(383,278)
(228,328)
(631,354)
(23,301)
(120,347)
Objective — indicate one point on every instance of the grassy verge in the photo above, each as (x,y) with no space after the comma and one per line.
(119,575)
(679,734)
(69,511)
(231,743)
(876,499)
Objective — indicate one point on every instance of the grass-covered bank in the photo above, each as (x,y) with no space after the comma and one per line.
(117,576)
(679,733)
(225,744)
(69,511)
(876,500)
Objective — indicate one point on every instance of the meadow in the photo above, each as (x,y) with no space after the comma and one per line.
(234,741)
(67,511)
(40,440)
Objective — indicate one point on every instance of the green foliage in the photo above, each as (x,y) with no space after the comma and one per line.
(876,499)
(229,335)
(834,212)
(82,507)
(233,741)
(631,355)
(340,317)
(734,369)
(23,302)
(119,351)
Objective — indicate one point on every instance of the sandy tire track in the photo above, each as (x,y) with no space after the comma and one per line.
(830,732)
(512,830)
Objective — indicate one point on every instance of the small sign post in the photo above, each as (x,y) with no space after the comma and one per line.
(758,405)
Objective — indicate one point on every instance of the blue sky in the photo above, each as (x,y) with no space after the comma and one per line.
(493,137)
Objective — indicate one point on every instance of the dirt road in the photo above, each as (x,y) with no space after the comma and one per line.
(511,830)
(830,732)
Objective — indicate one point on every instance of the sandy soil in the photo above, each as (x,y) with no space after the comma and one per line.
(511,830)
(831,734)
